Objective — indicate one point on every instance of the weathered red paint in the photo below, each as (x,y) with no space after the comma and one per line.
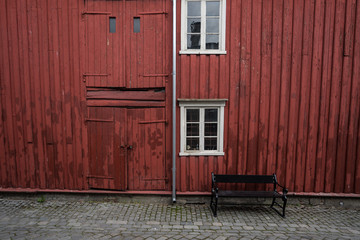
(72,93)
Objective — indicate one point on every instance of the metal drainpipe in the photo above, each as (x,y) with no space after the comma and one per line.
(174,107)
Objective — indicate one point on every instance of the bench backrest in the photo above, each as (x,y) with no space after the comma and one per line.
(221,178)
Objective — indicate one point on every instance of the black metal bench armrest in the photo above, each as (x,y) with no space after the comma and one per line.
(284,189)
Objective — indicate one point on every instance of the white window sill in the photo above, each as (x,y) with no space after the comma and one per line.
(207,153)
(202,52)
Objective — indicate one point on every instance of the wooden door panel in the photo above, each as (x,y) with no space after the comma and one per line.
(147,50)
(146,160)
(106,158)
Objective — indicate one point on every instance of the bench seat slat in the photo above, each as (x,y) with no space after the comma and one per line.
(244,178)
(249,194)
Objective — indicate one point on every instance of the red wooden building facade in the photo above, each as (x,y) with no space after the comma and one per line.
(86,93)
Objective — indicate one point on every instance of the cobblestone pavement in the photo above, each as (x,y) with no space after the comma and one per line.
(83,219)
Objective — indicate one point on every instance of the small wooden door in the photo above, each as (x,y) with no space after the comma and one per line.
(107,153)
(146,160)
(126,148)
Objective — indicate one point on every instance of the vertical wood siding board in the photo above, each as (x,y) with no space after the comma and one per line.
(16,91)
(354,140)
(62,90)
(183,173)
(285,72)
(233,67)
(194,76)
(110,44)
(183,79)
(54,81)
(27,95)
(24,56)
(3,165)
(325,100)
(254,88)
(9,101)
(265,81)
(213,76)
(130,160)
(335,111)
(354,102)
(113,65)
(346,97)
(75,81)
(40,101)
(303,123)
(34,68)
(191,167)
(275,85)
(245,84)
(311,173)
(203,88)
(103,35)
(82,30)
(349,28)
(297,43)
(46,99)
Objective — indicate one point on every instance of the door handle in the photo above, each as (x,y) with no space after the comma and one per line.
(126,146)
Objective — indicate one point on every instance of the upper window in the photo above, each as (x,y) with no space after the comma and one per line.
(202,127)
(203,26)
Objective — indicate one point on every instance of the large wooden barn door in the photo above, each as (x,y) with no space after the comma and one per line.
(146,160)
(126,44)
(146,45)
(126,148)
(106,148)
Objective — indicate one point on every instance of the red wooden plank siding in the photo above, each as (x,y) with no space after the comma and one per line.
(290,68)
(291,76)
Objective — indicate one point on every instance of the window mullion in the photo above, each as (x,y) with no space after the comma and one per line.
(202,129)
(203,25)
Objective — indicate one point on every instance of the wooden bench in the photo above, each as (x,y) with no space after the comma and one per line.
(264,179)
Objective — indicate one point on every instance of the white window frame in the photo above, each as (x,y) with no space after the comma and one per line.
(202,104)
(203,50)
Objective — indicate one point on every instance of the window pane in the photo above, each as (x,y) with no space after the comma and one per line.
(210,129)
(192,129)
(211,115)
(212,25)
(192,115)
(212,41)
(194,25)
(192,143)
(210,144)
(194,8)
(112,24)
(193,41)
(212,8)
(136,24)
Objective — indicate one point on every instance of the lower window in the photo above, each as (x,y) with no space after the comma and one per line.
(202,127)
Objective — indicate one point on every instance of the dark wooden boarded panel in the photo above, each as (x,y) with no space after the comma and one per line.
(127,95)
